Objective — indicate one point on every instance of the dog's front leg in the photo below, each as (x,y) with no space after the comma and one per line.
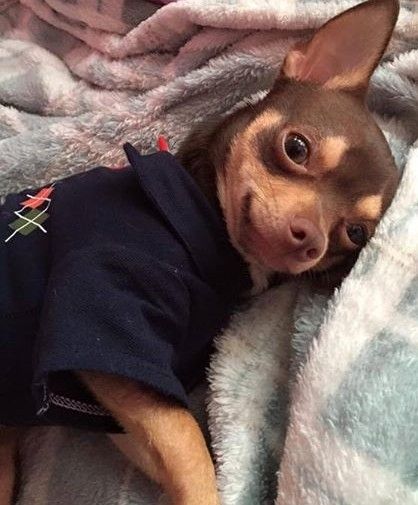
(8,450)
(168,443)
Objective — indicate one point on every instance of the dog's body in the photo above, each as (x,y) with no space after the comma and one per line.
(302,178)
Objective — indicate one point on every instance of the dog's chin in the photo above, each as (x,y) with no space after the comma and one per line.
(263,270)
(283,264)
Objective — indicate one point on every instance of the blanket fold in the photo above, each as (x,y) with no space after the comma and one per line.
(312,396)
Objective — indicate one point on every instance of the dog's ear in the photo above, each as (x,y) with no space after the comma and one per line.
(344,52)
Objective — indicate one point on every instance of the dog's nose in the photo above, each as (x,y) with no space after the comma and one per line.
(306,238)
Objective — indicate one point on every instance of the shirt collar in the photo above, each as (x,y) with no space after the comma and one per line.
(196,223)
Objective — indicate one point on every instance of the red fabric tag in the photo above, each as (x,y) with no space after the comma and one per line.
(163,144)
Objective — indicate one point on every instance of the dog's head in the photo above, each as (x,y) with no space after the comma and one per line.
(304,176)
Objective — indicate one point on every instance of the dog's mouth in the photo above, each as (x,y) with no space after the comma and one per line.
(275,251)
(259,248)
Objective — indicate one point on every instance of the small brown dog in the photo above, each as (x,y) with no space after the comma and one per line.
(302,178)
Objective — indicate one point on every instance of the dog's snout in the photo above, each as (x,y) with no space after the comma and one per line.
(306,238)
(292,246)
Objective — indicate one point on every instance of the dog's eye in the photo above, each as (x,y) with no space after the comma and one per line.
(296,148)
(357,234)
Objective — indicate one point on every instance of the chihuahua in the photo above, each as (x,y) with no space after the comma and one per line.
(302,178)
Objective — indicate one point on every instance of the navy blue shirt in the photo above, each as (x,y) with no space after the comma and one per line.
(126,271)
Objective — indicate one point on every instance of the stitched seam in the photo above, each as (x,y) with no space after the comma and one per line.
(77,405)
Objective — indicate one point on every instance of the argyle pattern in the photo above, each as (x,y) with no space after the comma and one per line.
(33,214)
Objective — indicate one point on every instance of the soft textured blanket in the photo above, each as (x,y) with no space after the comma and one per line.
(313,398)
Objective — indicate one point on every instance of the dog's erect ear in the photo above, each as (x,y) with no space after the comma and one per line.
(344,52)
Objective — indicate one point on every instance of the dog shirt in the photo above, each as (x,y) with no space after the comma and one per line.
(126,271)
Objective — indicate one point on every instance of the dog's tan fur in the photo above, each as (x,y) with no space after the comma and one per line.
(166,442)
(351,177)
(8,451)
(369,207)
(331,151)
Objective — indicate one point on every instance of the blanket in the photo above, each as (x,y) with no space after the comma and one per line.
(312,396)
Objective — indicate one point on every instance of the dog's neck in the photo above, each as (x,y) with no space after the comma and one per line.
(204,152)
(196,155)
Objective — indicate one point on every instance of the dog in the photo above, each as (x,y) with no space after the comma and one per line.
(300,179)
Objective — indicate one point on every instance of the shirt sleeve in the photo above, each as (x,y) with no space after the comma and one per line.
(113,311)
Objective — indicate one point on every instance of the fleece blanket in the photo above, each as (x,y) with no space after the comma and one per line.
(312,396)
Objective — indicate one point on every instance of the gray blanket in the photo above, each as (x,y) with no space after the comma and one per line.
(312,396)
